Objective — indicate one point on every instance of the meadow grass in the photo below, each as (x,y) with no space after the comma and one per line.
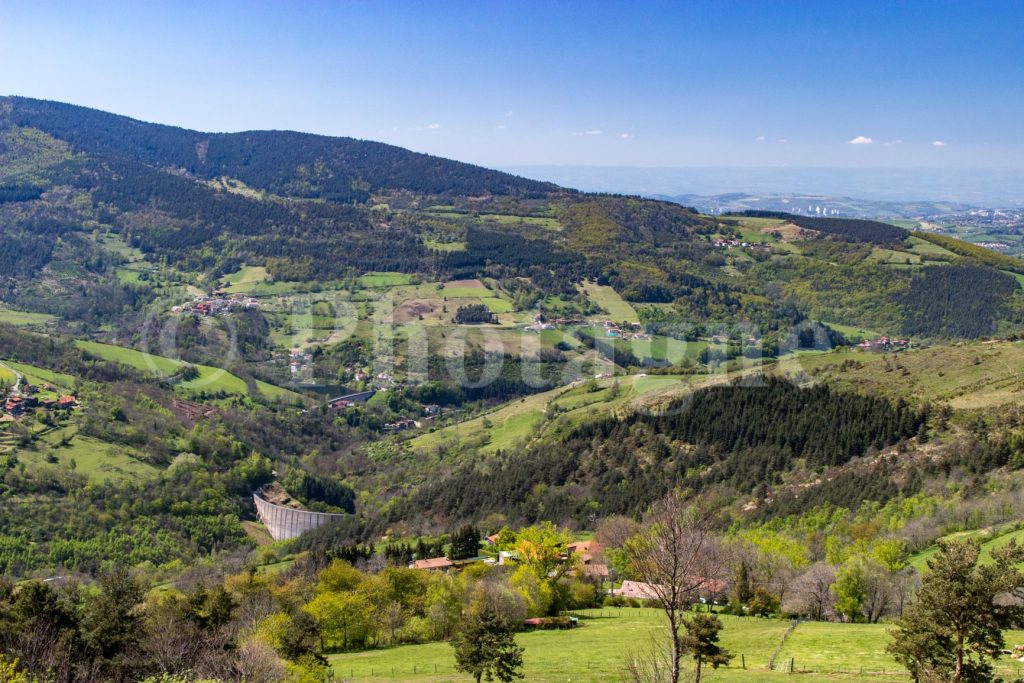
(967,376)
(927,250)
(853,332)
(246,279)
(434,245)
(34,375)
(8,376)
(384,279)
(210,379)
(893,257)
(531,221)
(24,318)
(597,649)
(515,421)
(139,360)
(668,349)
(608,299)
(497,305)
(990,539)
(98,460)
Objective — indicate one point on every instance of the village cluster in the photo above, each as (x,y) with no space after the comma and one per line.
(626,331)
(215,304)
(588,557)
(739,244)
(884,344)
(20,402)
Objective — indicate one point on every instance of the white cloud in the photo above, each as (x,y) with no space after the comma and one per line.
(429,126)
(626,136)
(861,140)
(890,143)
(783,141)
(500,127)
(938,143)
(759,138)
(433,126)
(589,132)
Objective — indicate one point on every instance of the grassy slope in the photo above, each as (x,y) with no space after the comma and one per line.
(608,299)
(24,318)
(7,375)
(973,251)
(139,360)
(97,460)
(34,375)
(989,537)
(516,420)
(965,375)
(210,379)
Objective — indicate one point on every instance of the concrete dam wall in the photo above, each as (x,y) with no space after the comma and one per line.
(285,522)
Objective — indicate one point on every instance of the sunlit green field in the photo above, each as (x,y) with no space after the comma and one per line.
(97,460)
(24,318)
(607,298)
(989,538)
(596,650)
(210,379)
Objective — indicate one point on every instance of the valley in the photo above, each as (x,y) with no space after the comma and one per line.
(495,384)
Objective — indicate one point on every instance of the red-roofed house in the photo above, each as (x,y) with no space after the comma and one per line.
(585,550)
(707,589)
(434,564)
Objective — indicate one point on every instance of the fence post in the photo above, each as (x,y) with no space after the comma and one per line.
(743,660)
(790,665)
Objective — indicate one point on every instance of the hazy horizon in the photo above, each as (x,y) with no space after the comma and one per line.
(983,187)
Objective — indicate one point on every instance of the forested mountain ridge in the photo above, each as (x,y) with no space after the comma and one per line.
(281,162)
(316,209)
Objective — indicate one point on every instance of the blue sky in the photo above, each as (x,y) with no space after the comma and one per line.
(720,83)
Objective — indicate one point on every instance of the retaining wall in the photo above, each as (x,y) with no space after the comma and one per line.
(285,522)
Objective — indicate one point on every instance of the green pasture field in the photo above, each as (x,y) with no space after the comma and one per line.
(139,360)
(967,376)
(210,379)
(894,257)
(852,332)
(25,319)
(385,279)
(596,651)
(434,245)
(515,421)
(928,250)
(608,299)
(530,221)
(245,278)
(34,375)
(990,539)
(7,375)
(98,460)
